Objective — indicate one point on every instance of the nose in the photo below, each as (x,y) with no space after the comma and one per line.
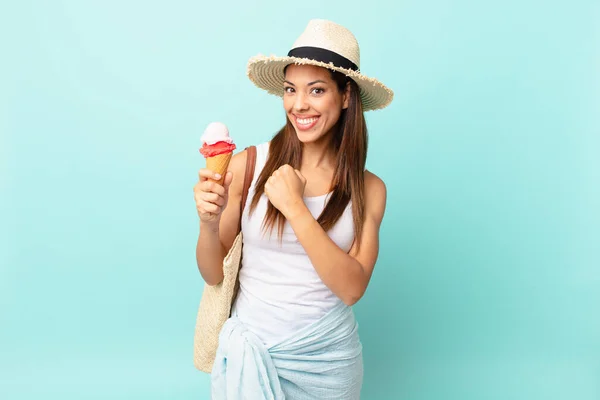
(300,102)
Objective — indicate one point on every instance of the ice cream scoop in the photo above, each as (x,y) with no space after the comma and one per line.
(216,132)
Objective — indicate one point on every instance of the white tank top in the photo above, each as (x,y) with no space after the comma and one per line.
(280,291)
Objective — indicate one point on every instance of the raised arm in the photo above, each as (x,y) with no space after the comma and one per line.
(218,207)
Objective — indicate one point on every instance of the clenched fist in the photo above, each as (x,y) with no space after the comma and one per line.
(211,198)
(285,188)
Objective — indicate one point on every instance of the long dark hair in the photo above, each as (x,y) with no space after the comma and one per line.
(350,145)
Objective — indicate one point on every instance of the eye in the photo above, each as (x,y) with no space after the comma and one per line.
(288,89)
(318,91)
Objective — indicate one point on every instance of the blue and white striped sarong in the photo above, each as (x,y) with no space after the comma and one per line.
(322,361)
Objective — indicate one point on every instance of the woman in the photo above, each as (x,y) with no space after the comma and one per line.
(310,228)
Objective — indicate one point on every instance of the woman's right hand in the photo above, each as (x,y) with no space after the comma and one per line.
(210,196)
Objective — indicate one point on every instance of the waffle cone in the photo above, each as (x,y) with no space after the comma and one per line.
(219,165)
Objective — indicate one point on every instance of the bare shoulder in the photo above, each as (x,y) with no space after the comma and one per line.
(375,195)
(238,161)
(373,182)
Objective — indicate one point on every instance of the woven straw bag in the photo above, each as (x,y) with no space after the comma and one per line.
(216,301)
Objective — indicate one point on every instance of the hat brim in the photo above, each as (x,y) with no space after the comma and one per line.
(266,72)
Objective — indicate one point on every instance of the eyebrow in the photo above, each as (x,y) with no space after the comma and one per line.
(309,84)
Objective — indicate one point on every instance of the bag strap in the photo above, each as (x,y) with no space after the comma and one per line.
(249,175)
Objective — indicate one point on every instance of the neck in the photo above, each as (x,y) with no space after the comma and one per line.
(318,155)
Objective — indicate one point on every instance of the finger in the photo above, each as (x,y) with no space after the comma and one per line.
(213,198)
(209,208)
(213,187)
(206,173)
(202,210)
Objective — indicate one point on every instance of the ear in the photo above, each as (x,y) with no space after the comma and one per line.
(346,96)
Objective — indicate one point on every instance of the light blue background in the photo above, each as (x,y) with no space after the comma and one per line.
(488,283)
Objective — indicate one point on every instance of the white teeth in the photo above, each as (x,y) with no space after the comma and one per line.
(306,121)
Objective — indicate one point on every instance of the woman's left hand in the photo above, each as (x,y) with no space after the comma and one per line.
(285,189)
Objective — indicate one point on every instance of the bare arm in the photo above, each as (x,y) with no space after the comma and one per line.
(346,274)
(223,203)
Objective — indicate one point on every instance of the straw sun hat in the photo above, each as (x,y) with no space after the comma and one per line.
(324,44)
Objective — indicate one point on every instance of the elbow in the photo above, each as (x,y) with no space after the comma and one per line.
(356,290)
(213,282)
(212,279)
(350,301)
(352,298)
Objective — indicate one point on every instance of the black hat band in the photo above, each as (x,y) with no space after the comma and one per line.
(323,55)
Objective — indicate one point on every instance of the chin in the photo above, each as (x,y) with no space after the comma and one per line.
(308,136)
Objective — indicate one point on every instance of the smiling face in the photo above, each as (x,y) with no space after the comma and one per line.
(313,101)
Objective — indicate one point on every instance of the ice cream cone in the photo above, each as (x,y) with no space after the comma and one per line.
(217,149)
(219,165)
